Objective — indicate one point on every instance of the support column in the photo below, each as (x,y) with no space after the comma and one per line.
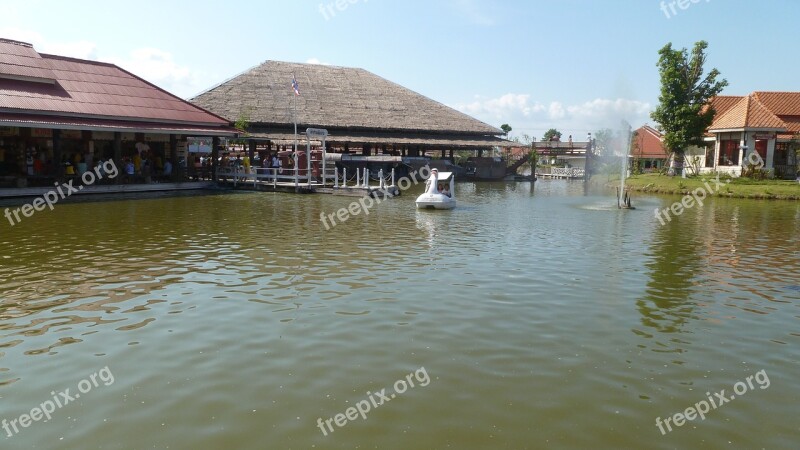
(118,157)
(57,155)
(173,157)
(214,155)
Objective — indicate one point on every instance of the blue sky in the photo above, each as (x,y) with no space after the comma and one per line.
(576,65)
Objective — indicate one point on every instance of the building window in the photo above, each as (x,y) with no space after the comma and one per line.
(729,153)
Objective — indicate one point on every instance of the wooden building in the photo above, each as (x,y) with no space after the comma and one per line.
(363,113)
(57,111)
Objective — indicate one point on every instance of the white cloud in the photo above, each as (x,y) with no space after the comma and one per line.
(316,61)
(556,111)
(160,68)
(533,118)
(75,49)
(501,107)
(154,65)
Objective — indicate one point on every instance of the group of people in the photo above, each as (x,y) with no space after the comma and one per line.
(146,164)
(444,189)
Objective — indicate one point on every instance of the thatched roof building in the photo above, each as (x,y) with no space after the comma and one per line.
(358,108)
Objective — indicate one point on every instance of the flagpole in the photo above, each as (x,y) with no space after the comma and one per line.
(295,124)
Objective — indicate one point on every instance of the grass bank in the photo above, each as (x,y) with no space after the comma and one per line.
(733,188)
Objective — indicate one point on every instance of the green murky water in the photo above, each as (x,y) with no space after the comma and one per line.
(542,319)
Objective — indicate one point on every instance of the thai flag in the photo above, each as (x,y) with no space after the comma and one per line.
(295,86)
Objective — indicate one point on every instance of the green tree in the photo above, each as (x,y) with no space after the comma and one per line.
(550,134)
(506,129)
(604,143)
(685,93)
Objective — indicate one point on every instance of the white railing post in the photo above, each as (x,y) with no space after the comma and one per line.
(392,176)
(366,177)
(380,176)
(358,177)
(344,177)
(274,179)
(336,177)
(296,174)
(235,175)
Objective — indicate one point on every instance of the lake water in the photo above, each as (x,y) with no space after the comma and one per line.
(525,318)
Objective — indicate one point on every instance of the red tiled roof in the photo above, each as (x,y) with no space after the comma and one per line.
(792,123)
(722,103)
(649,143)
(780,103)
(748,112)
(91,89)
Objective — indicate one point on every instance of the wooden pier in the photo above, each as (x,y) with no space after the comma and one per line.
(569,173)
(288,181)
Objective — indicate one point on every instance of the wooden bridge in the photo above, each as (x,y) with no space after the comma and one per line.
(298,181)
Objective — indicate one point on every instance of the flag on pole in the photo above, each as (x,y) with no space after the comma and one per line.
(295,86)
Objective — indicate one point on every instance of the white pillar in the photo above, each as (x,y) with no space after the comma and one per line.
(308,160)
(366,177)
(335,177)
(358,177)
(344,177)
(324,154)
(380,176)
(771,153)
(393,176)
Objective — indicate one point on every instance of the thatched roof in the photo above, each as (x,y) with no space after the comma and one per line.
(334,97)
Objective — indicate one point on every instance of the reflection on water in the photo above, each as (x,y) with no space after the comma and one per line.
(235,320)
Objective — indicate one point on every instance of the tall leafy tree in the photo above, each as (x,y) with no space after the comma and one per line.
(506,128)
(550,134)
(685,91)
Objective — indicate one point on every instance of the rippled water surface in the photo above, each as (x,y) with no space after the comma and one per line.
(542,319)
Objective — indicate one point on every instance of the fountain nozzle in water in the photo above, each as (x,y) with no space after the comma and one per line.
(624,201)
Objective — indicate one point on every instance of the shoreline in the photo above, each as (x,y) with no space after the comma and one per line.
(734,187)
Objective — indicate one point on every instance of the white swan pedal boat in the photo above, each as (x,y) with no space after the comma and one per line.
(434,198)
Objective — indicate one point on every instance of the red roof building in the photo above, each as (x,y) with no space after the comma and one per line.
(754,128)
(55,108)
(648,148)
